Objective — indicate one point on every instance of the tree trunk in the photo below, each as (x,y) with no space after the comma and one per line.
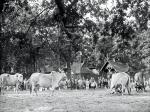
(34,64)
(69,75)
(1,21)
(69,70)
(0,59)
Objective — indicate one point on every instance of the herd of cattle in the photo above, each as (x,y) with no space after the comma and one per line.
(35,81)
(119,81)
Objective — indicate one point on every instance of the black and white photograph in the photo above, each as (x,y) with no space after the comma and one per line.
(75,56)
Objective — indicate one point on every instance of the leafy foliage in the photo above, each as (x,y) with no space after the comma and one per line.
(57,30)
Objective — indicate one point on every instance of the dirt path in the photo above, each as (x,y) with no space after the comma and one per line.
(75,101)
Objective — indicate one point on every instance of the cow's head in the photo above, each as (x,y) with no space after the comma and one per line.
(19,77)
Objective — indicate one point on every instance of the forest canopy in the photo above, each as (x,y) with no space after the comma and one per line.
(36,34)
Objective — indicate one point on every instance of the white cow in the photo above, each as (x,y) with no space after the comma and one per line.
(11,80)
(121,80)
(139,81)
(46,80)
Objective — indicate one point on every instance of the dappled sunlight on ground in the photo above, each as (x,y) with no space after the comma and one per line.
(75,101)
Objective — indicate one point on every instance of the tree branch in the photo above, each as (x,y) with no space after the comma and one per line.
(71,5)
(35,20)
(60,6)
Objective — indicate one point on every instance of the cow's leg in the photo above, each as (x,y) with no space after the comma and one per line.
(16,88)
(144,88)
(129,90)
(128,86)
(52,93)
(36,91)
(32,89)
(16,91)
(137,89)
(1,90)
(123,89)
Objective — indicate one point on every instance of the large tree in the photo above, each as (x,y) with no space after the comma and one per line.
(60,28)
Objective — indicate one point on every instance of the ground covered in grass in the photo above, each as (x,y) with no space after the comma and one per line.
(75,101)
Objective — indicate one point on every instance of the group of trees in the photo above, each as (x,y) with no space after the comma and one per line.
(35,33)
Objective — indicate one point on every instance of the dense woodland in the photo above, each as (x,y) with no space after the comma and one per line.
(39,33)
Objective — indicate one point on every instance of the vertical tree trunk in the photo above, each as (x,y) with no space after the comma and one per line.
(69,75)
(0,59)
(69,69)
(58,49)
(34,63)
(1,21)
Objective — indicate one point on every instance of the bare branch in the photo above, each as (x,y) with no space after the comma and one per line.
(60,6)
(35,20)
(72,4)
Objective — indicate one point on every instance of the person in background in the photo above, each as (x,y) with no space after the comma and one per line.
(93,83)
(105,83)
(87,84)
(100,82)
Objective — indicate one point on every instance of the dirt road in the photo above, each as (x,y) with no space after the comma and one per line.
(75,101)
